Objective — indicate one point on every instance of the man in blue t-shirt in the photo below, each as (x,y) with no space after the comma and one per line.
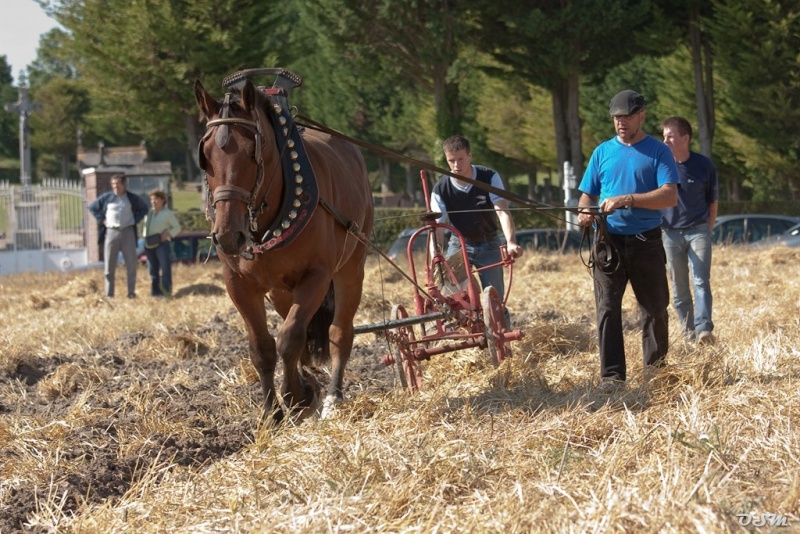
(687,231)
(631,177)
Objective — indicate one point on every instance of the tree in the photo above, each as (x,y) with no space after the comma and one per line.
(65,103)
(140,58)
(556,43)
(52,60)
(9,122)
(757,47)
(415,42)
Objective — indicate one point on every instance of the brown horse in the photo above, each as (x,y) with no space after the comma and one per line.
(315,280)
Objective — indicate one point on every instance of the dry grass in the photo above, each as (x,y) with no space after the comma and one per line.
(529,447)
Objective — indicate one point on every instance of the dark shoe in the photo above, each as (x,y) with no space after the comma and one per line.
(132,296)
(650,372)
(610,384)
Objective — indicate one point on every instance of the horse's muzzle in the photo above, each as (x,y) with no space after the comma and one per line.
(231,243)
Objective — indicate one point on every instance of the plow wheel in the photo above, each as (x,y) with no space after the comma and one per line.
(494,321)
(406,366)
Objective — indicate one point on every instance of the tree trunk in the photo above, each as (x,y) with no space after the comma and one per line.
(703,82)
(385,170)
(65,166)
(412,179)
(574,123)
(192,139)
(562,138)
(567,121)
(446,100)
(532,171)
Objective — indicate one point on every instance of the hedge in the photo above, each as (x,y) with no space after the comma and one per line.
(390,221)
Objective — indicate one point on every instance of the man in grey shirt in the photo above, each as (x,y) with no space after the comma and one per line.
(118,212)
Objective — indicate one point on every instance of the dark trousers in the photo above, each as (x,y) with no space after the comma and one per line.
(642,262)
(158,259)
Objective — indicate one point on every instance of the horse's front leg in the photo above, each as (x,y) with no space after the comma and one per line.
(263,353)
(299,391)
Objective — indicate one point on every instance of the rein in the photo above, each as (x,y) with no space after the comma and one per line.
(603,253)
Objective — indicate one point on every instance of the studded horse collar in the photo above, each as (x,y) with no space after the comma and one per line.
(300,191)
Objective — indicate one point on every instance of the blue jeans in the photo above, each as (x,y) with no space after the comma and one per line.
(158,259)
(691,248)
(481,255)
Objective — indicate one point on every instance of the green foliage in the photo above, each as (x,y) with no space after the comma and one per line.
(776,207)
(193,220)
(140,58)
(9,122)
(518,122)
(413,44)
(52,59)
(54,127)
(185,200)
(757,47)
(404,74)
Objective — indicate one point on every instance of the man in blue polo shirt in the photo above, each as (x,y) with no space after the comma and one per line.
(632,176)
(687,231)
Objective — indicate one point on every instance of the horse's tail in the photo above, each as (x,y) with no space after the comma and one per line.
(318,329)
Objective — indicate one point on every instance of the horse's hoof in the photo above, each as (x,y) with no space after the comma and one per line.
(272,417)
(302,412)
(329,407)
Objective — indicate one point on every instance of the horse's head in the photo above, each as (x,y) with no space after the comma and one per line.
(232,155)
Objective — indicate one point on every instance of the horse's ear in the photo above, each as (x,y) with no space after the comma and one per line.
(208,106)
(248,96)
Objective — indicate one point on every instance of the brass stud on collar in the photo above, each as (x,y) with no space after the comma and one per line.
(298,178)
(298,191)
(292,215)
(290,143)
(296,203)
(294,155)
(285,224)
(277,232)
(296,167)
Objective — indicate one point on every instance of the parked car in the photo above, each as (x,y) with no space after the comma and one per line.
(187,247)
(551,239)
(790,238)
(400,245)
(750,228)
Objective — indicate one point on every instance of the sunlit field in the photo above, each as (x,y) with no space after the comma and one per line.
(140,415)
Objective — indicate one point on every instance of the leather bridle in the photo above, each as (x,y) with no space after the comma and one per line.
(230,192)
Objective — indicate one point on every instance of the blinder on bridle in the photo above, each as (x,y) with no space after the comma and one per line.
(230,191)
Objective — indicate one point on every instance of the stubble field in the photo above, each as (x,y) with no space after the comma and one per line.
(143,416)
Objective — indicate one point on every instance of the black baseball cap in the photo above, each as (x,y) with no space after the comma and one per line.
(626,103)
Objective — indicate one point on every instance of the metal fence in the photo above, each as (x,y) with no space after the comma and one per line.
(45,216)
